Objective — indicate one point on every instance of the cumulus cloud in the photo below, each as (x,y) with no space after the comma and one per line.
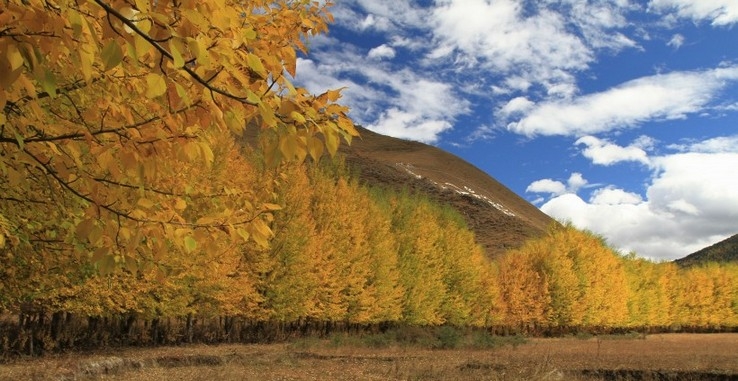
(605,153)
(687,205)
(659,97)
(519,105)
(717,12)
(381,52)
(547,186)
(557,188)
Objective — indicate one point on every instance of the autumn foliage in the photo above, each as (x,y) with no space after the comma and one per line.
(131,212)
(117,121)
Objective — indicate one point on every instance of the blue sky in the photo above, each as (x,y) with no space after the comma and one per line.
(620,116)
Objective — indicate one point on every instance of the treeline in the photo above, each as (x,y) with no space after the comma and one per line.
(570,279)
(343,257)
(340,256)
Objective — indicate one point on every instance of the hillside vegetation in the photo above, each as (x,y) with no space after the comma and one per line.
(723,251)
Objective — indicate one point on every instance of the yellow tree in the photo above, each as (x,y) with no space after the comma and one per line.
(524,292)
(104,102)
(419,260)
(467,301)
(286,272)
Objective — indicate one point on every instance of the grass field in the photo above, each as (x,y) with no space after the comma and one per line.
(657,357)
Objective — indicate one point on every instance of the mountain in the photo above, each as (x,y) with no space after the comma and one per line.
(500,218)
(723,251)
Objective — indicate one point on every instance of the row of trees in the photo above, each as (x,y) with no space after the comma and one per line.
(570,278)
(342,255)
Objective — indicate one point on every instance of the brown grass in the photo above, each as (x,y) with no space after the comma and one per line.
(658,357)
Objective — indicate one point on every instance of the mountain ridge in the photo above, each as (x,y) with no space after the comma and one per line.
(500,219)
(723,251)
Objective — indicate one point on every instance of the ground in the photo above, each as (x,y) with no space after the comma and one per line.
(655,357)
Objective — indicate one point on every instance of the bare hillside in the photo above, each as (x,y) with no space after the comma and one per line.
(500,218)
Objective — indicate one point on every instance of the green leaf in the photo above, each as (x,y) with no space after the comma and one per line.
(156,86)
(112,55)
(190,244)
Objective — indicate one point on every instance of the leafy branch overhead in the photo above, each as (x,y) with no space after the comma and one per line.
(119,118)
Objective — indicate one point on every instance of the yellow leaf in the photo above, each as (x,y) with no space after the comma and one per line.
(315,148)
(145,203)
(297,117)
(248,33)
(176,52)
(15,59)
(255,64)
(180,204)
(268,206)
(267,115)
(142,46)
(243,234)
(156,86)
(333,95)
(207,153)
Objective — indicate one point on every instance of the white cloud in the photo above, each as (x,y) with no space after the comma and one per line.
(576,181)
(396,102)
(676,41)
(668,96)
(605,153)
(407,125)
(379,15)
(381,52)
(499,36)
(720,144)
(688,205)
(547,186)
(614,196)
(557,188)
(718,12)
(599,21)
(519,105)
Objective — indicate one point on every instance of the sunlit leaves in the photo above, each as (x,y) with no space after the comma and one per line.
(121,118)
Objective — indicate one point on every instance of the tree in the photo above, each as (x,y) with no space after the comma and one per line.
(523,290)
(107,106)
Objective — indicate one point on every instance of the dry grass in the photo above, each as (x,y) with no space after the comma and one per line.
(658,357)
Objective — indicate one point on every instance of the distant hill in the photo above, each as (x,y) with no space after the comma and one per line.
(500,218)
(723,251)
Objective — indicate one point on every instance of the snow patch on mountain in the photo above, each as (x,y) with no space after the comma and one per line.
(463,190)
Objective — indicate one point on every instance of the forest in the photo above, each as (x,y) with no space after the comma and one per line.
(132,212)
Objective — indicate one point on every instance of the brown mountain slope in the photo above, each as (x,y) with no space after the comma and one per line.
(500,218)
(723,251)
